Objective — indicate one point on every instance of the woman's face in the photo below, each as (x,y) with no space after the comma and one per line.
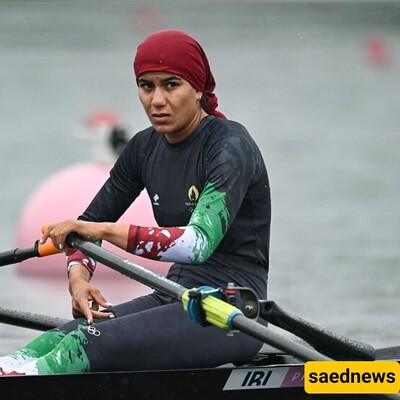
(171,103)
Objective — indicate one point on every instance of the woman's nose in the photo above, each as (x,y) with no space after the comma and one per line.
(158,97)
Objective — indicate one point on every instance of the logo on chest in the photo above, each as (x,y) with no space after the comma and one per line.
(193,197)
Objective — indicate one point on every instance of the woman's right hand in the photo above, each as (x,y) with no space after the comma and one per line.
(86,298)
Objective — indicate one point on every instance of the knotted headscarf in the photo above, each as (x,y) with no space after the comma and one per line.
(177,52)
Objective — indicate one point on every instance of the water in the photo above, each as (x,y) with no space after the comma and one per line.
(302,78)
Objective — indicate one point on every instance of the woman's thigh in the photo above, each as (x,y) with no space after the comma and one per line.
(130,307)
(163,337)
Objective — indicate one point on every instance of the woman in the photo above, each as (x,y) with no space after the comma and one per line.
(210,194)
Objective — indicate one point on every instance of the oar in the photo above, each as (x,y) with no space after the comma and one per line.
(217,312)
(29,320)
(323,340)
(18,255)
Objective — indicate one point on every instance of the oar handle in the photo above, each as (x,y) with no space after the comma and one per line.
(46,249)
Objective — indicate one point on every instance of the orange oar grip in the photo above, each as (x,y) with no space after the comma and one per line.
(47,249)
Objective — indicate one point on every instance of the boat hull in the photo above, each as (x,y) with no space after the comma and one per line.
(255,383)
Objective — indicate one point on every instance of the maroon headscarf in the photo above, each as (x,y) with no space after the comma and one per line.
(177,52)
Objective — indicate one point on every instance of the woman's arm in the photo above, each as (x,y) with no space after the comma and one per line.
(114,233)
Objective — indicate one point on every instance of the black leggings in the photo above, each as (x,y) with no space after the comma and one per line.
(154,332)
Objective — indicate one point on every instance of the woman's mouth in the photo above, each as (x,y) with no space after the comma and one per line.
(160,118)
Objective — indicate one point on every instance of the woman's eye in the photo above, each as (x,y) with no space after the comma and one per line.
(145,85)
(171,85)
